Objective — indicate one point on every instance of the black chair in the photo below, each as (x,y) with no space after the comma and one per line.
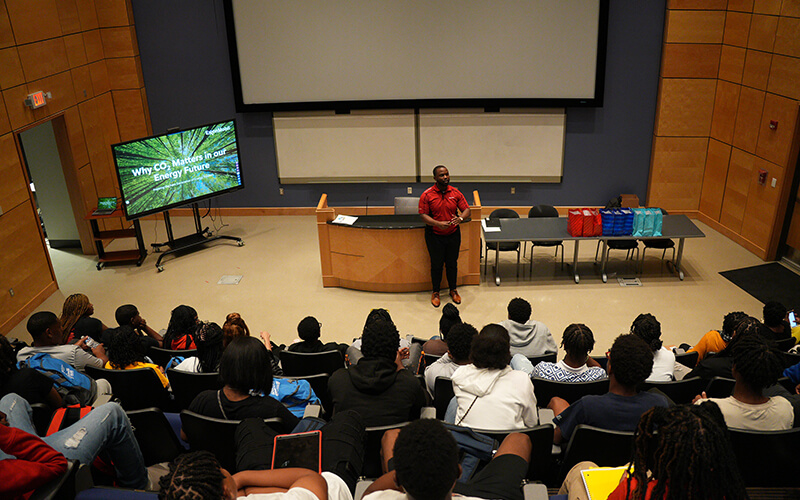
(627,245)
(508,246)
(659,244)
(372,450)
(60,488)
(442,395)
(545,390)
(784,345)
(767,458)
(604,447)
(535,360)
(688,359)
(300,364)
(42,415)
(790,359)
(679,391)
(187,385)
(431,359)
(136,389)
(217,435)
(787,384)
(545,211)
(155,436)
(541,437)
(162,356)
(720,387)
(319,384)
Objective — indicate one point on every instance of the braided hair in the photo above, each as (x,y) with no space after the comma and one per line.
(757,361)
(450,317)
(578,340)
(647,328)
(192,476)
(729,324)
(182,322)
(75,307)
(687,451)
(745,327)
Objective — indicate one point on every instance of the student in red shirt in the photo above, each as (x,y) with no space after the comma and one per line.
(439,207)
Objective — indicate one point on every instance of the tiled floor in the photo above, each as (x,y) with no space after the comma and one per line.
(281,284)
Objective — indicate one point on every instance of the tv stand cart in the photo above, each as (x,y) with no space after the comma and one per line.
(191,242)
(137,255)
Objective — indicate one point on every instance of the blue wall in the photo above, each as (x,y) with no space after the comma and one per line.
(184,51)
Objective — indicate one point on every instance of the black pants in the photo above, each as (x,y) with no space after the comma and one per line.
(343,442)
(444,252)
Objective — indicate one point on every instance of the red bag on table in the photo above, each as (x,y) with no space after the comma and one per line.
(597,223)
(575,222)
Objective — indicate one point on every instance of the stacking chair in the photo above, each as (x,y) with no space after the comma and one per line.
(137,388)
(545,211)
(767,458)
(509,246)
(545,390)
(300,364)
(155,436)
(442,394)
(216,435)
(659,244)
(688,359)
(679,391)
(162,356)
(541,437)
(720,387)
(604,447)
(535,360)
(187,385)
(627,245)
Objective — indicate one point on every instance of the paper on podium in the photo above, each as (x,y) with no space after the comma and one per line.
(601,481)
(347,220)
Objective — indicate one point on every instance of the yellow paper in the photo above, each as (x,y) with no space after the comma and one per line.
(601,481)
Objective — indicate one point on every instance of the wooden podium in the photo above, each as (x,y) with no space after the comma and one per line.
(392,257)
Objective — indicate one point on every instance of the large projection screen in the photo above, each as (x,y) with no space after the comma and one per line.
(302,54)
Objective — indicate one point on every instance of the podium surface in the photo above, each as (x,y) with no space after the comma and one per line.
(387,253)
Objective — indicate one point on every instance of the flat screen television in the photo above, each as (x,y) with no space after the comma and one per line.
(168,170)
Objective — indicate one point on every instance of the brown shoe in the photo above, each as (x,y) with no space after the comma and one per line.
(435,299)
(455,296)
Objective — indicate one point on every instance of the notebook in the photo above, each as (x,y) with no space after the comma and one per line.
(105,206)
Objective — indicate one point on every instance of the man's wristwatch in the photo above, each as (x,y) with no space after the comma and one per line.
(460,219)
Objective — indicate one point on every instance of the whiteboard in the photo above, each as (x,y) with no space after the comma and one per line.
(364,146)
(512,145)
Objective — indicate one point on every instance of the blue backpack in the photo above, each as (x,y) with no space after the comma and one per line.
(294,394)
(74,386)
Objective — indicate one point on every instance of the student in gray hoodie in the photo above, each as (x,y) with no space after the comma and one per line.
(528,336)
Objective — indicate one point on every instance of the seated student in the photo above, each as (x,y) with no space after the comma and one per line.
(244,370)
(209,340)
(719,365)
(308,330)
(45,329)
(233,327)
(490,394)
(775,318)
(180,331)
(717,340)
(410,353)
(679,452)
(756,366)
(26,382)
(77,321)
(124,353)
(437,346)
(459,341)
(421,461)
(528,337)
(34,464)
(577,365)
(128,316)
(378,387)
(630,361)
(104,429)
(647,328)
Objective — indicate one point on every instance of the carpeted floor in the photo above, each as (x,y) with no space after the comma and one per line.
(767,282)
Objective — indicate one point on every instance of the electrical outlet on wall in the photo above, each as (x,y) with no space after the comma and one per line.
(409,189)
(513,190)
(280,191)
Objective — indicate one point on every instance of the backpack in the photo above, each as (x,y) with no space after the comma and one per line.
(475,449)
(174,361)
(74,386)
(294,394)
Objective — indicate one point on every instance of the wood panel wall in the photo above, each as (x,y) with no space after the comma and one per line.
(85,53)
(728,68)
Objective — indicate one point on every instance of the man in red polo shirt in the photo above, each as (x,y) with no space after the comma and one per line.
(439,207)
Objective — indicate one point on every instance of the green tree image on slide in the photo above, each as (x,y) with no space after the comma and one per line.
(170,169)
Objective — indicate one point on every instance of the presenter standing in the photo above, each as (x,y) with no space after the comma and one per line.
(439,207)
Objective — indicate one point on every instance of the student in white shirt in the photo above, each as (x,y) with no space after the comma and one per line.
(647,328)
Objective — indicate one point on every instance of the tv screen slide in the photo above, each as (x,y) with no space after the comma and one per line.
(164,171)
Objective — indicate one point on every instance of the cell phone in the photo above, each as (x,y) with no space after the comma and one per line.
(792,319)
(92,343)
(303,449)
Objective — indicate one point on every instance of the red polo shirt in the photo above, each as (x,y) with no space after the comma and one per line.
(442,206)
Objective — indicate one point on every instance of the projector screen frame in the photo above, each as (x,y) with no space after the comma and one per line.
(488,104)
(190,201)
